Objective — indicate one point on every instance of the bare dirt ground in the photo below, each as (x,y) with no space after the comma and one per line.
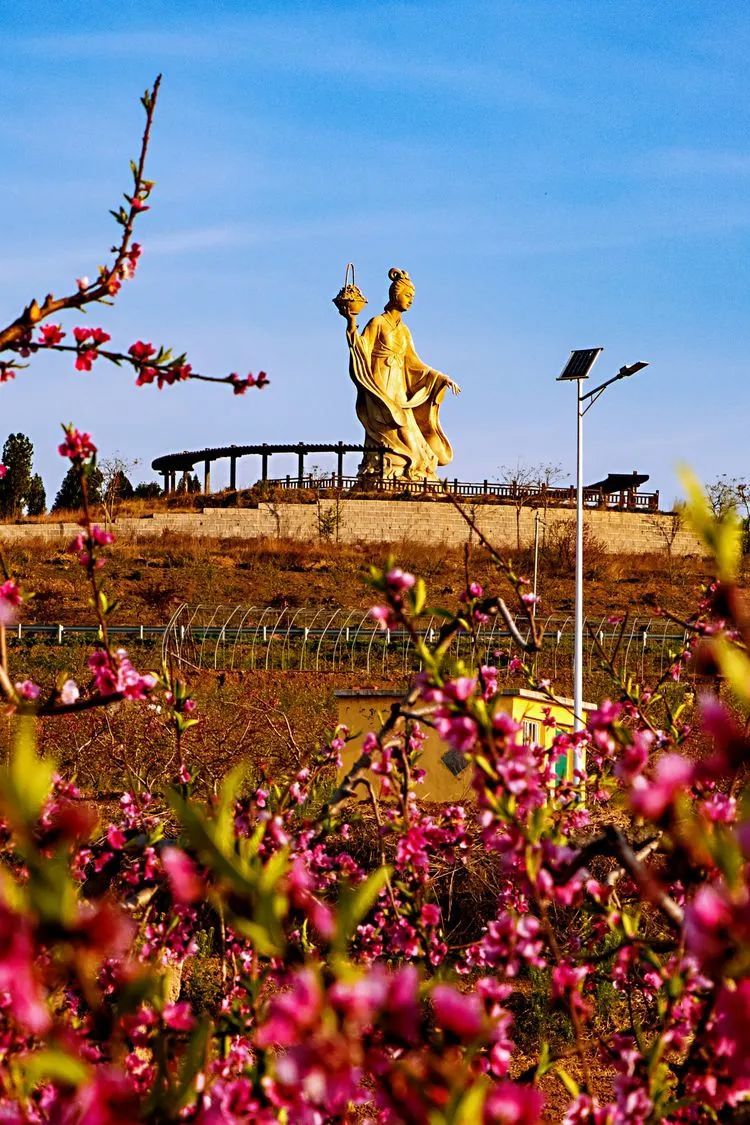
(153,577)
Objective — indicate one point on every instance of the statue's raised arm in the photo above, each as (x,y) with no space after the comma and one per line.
(398,395)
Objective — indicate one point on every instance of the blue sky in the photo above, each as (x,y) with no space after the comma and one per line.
(552,174)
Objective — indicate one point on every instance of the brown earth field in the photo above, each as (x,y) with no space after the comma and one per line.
(274,714)
(151,578)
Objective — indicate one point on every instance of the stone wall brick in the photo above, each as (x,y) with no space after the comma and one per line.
(377,521)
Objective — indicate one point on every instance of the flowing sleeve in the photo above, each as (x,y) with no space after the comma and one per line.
(361,347)
(426,388)
(421,373)
(368,336)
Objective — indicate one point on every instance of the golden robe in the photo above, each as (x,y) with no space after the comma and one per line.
(398,401)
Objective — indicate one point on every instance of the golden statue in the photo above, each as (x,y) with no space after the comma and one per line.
(398,395)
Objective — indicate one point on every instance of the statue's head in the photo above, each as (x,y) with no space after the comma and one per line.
(401,292)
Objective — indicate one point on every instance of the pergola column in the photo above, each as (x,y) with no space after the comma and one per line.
(264,464)
(300,465)
(165,474)
(206,476)
(340,464)
(233,473)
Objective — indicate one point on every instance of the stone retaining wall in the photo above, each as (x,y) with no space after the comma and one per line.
(382,521)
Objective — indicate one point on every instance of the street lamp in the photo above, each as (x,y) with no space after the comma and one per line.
(577,370)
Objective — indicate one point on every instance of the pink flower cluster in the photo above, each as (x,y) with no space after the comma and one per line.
(240,385)
(144,355)
(116,675)
(10,601)
(88,341)
(396,584)
(77,447)
(87,541)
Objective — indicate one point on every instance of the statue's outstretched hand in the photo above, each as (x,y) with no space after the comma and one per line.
(454,387)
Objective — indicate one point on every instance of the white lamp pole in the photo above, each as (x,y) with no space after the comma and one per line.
(577,370)
(578,723)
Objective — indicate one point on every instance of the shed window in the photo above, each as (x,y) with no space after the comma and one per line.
(530,732)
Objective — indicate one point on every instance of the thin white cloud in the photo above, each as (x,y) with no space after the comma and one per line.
(191,240)
(700,161)
(312,50)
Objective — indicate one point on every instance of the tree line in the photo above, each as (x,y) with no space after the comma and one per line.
(22,490)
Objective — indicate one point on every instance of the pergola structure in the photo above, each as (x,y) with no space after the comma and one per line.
(173,463)
(618,490)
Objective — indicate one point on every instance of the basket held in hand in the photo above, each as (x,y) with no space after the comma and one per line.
(350,300)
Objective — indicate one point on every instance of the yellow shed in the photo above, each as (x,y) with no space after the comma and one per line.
(447,776)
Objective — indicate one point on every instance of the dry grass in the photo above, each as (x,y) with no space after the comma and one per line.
(251,709)
(151,577)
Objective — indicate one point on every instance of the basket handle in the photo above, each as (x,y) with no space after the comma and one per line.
(349,266)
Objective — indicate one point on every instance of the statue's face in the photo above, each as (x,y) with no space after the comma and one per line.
(403,297)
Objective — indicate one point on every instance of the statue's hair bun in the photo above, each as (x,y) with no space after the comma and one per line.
(395,274)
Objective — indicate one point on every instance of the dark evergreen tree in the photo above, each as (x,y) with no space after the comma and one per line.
(18,454)
(70,496)
(121,487)
(36,500)
(188,483)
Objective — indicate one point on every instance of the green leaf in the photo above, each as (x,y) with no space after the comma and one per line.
(27,779)
(259,906)
(198,831)
(192,1063)
(228,796)
(544,1064)
(53,1065)
(419,596)
(470,1108)
(569,1083)
(722,536)
(734,663)
(356,902)
(258,935)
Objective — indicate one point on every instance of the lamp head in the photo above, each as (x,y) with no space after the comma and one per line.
(632,368)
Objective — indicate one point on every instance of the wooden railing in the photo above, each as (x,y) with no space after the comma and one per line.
(531,496)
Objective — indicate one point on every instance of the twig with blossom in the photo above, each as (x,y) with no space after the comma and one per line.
(527,601)
(151,365)
(126,257)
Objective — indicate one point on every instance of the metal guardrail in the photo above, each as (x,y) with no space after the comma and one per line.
(27,631)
